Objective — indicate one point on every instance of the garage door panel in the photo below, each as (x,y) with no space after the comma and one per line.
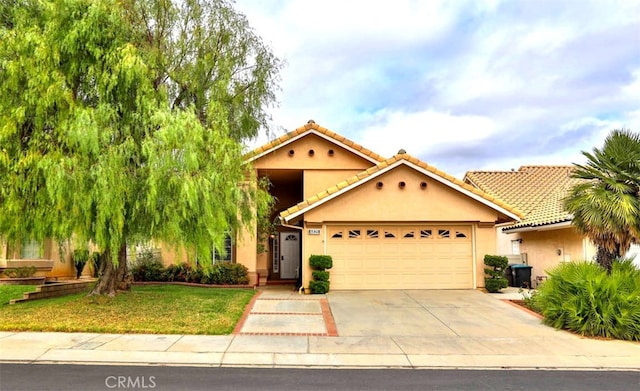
(401,257)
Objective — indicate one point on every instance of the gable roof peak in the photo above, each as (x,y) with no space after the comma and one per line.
(417,164)
(312,127)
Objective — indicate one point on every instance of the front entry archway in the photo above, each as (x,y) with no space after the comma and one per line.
(289,255)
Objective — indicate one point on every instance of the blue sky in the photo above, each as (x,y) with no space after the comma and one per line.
(462,85)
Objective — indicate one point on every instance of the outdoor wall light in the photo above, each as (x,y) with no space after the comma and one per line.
(559,251)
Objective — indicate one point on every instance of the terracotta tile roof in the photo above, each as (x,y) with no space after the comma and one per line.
(537,191)
(312,126)
(364,175)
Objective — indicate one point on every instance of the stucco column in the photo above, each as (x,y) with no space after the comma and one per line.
(247,244)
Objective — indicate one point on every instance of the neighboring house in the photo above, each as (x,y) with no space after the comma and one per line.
(394,223)
(45,256)
(545,236)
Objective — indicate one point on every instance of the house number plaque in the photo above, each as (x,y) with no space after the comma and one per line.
(314,231)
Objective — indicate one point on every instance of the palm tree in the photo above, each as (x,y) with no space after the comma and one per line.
(606,205)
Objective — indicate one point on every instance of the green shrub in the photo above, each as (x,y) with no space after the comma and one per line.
(321,262)
(581,297)
(498,262)
(178,272)
(320,275)
(495,274)
(21,272)
(319,287)
(495,284)
(226,273)
(148,268)
(195,275)
(80,258)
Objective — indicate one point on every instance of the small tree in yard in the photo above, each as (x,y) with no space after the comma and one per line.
(495,275)
(606,204)
(319,264)
(122,121)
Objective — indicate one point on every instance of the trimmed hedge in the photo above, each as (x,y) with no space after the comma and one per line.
(320,275)
(320,283)
(495,274)
(321,262)
(319,287)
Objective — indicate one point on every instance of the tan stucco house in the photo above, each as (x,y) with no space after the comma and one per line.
(395,223)
(388,223)
(545,236)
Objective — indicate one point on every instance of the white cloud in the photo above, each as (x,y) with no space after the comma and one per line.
(488,83)
(422,132)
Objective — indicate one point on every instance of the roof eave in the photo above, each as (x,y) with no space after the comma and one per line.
(539,227)
(482,200)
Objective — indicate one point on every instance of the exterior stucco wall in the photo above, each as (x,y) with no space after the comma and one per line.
(546,249)
(316,181)
(436,203)
(391,203)
(311,245)
(246,253)
(320,158)
(485,242)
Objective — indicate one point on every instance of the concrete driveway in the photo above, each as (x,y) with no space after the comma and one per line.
(430,313)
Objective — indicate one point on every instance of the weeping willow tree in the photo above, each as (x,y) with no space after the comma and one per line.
(123,121)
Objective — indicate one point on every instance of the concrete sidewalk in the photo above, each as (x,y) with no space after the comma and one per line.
(270,335)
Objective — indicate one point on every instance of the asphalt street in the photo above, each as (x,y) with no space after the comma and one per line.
(41,377)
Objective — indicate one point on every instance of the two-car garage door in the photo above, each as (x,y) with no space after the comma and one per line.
(400,256)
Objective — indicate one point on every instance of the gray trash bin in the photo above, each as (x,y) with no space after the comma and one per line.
(521,275)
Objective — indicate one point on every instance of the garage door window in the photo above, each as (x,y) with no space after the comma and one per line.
(443,233)
(354,234)
(425,233)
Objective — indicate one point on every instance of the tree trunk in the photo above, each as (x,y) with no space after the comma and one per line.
(605,258)
(113,279)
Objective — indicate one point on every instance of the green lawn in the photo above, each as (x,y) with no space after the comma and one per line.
(162,309)
(8,292)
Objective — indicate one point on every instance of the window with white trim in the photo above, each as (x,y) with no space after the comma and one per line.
(31,249)
(227,256)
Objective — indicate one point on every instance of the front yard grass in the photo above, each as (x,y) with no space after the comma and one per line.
(162,309)
(9,292)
